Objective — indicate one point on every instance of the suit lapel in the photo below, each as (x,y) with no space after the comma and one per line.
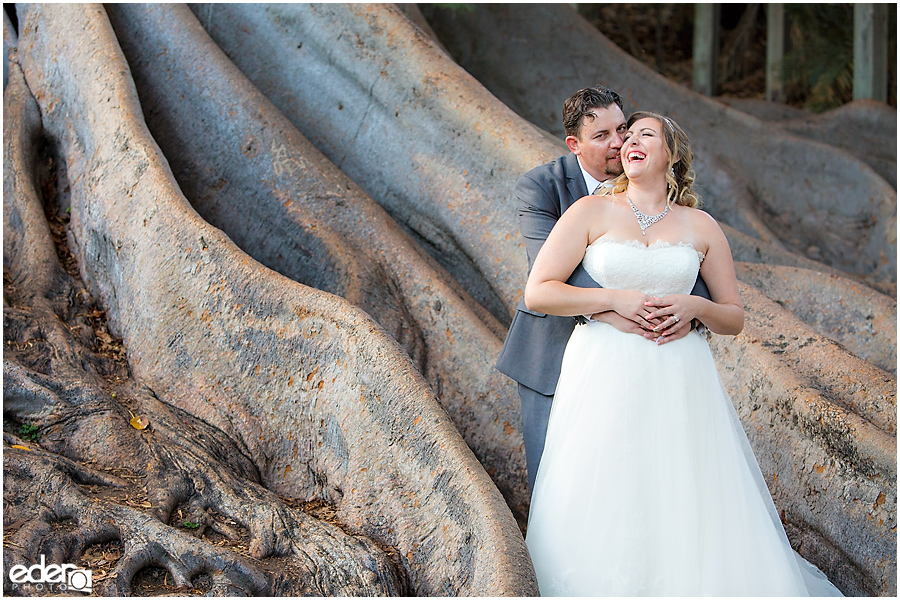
(574,182)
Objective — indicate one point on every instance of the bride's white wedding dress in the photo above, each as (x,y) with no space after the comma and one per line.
(647,485)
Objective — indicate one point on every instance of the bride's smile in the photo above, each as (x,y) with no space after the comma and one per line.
(643,151)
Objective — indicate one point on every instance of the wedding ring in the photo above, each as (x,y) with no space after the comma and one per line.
(676,318)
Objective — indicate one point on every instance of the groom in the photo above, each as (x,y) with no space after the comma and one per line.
(532,354)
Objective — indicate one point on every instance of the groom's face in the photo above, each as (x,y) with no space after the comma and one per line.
(599,141)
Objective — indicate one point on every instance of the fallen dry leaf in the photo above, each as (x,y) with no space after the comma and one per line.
(138,422)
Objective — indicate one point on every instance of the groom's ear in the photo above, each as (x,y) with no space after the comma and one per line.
(572,143)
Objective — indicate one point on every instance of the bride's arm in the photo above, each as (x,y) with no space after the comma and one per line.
(546,290)
(724,313)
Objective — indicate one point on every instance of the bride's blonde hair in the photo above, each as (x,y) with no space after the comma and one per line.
(679,175)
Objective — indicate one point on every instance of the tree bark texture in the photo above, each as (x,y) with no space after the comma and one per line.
(357,79)
(248,171)
(320,400)
(865,128)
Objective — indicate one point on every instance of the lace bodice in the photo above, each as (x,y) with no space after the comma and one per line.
(658,270)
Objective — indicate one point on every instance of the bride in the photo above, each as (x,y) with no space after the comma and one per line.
(648,485)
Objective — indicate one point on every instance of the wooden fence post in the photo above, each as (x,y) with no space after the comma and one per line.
(775,42)
(706,48)
(870,51)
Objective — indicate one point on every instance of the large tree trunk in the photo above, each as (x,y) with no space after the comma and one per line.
(319,403)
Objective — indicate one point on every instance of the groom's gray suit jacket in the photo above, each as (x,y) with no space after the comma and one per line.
(533,351)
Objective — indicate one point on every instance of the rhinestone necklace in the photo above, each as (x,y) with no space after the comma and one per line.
(645,220)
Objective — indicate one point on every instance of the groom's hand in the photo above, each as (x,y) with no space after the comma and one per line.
(671,337)
(624,325)
(634,305)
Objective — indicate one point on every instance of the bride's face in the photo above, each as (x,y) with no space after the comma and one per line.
(644,151)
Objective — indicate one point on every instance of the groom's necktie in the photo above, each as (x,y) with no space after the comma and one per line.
(599,188)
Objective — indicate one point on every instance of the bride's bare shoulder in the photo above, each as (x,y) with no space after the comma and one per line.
(588,213)
(699,217)
(595,203)
(705,225)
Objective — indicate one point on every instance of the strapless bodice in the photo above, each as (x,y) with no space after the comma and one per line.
(658,270)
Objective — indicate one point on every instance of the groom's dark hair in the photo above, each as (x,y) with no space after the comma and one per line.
(583,101)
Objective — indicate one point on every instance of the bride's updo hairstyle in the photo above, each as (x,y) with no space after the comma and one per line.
(679,175)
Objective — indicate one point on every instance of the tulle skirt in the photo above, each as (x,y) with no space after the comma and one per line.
(648,486)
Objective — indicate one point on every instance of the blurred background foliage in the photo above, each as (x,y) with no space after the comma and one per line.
(818,64)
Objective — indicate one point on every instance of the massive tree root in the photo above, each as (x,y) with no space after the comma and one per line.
(822,424)
(355,79)
(310,222)
(858,318)
(296,389)
(183,477)
(867,129)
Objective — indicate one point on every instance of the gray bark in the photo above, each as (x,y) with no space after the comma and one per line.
(322,401)
(247,171)
(399,117)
